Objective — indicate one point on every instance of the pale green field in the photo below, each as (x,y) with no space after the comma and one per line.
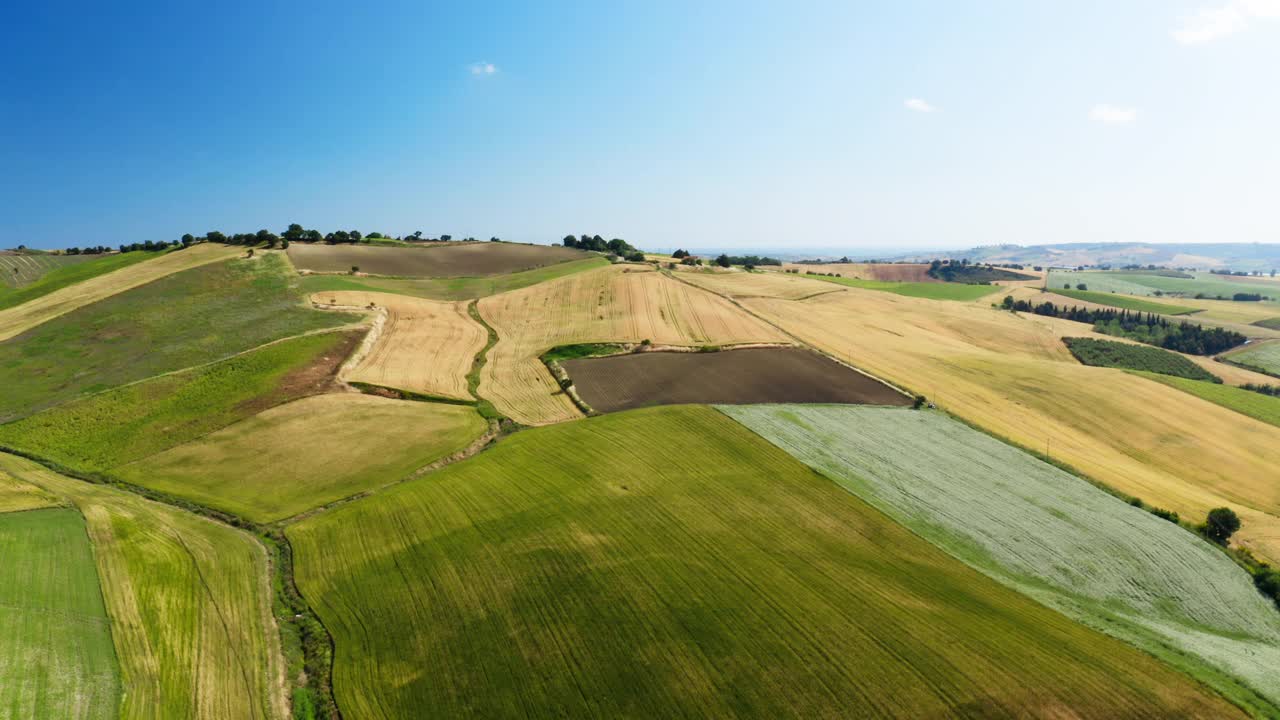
(1048,534)
(667,562)
(1256,405)
(307,453)
(189,602)
(56,658)
(1261,356)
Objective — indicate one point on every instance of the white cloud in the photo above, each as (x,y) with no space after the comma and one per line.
(1213,23)
(483,68)
(1112,115)
(919,105)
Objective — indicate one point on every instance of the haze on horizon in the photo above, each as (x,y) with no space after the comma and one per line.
(876,125)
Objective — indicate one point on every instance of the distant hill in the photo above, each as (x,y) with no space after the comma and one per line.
(1204,256)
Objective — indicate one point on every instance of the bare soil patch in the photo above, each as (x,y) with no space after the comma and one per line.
(445,261)
(731,377)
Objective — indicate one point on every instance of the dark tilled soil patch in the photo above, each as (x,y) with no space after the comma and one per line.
(314,379)
(731,377)
(475,259)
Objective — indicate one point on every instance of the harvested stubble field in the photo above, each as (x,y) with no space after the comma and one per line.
(759,284)
(467,288)
(62,276)
(138,420)
(931,291)
(186,319)
(424,346)
(20,268)
(307,453)
(56,659)
(16,495)
(189,602)
(1011,375)
(586,570)
(749,375)
(1256,405)
(886,272)
(1048,534)
(20,318)
(1263,357)
(614,304)
(451,260)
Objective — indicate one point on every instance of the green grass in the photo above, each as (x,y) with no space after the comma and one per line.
(65,275)
(450,288)
(1126,302)
(931,291)
(666,562)
(132,422)
(185,319)
(581,350)
(307,453)
(1269,323)
(1107,353)
(56,658)
(1263,357)
(189,602)
(1139,283)
(1049,534)
(1256,405)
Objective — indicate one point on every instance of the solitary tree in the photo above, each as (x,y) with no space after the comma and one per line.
(187,239)
(355,269)
(1221,524)
(723,261)
(1081,286)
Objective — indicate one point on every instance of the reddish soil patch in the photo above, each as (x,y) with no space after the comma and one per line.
(318,377)
(444,260)
(731,377)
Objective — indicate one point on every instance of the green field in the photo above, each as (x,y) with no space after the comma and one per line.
(1127,356)
(1256,405)
(1269,323)
(307,453)
(1049,534)
(56,658)
(1139,283)
(587,569)
(1126,302)
(931,291)
(134,421)
(189,602)
(1263,357)
(185,319)
(16,495)
(25,267)
(62,274)
(450,288)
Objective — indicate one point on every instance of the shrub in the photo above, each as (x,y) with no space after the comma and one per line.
(1163,514)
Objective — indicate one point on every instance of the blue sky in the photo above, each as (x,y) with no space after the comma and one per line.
(901,124)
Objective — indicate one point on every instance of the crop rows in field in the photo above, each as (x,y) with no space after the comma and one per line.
(424,346)
(33,311)
(56,658)
(1246,402)
(188,318)
(1048,534)
(449,260)
(1263,357)
(1128,356)
(758,284)
(1012,375)
(1126,302)
(586,569)
(307,453)
(615,304)
(18,269)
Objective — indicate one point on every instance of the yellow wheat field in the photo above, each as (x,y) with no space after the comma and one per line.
(614,304)
(426,346)
(760,284)
(16,320)
(1011,375)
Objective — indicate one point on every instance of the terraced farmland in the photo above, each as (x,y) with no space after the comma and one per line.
(1048,534)
(189,602)
(188,318)
(465,288)
(424,346)
(1011,375)
(56,658)
(18,319)
(614,304)
(447,260)
(138,420)
(307,453)
(585,569)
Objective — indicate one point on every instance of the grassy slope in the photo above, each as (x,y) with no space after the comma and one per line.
(307,453)
(451,288)
(1264,357)
(585,569)
(132,422)
(185,319)
(1255,405)
(16,495)
(1127,302)
(189,603)
(1051,535)
(931,291)
(69,275)
(56,658)
(1269,323)
(1107,353)
(1137,283)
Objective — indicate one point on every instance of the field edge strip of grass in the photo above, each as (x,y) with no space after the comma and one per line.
(486,408)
